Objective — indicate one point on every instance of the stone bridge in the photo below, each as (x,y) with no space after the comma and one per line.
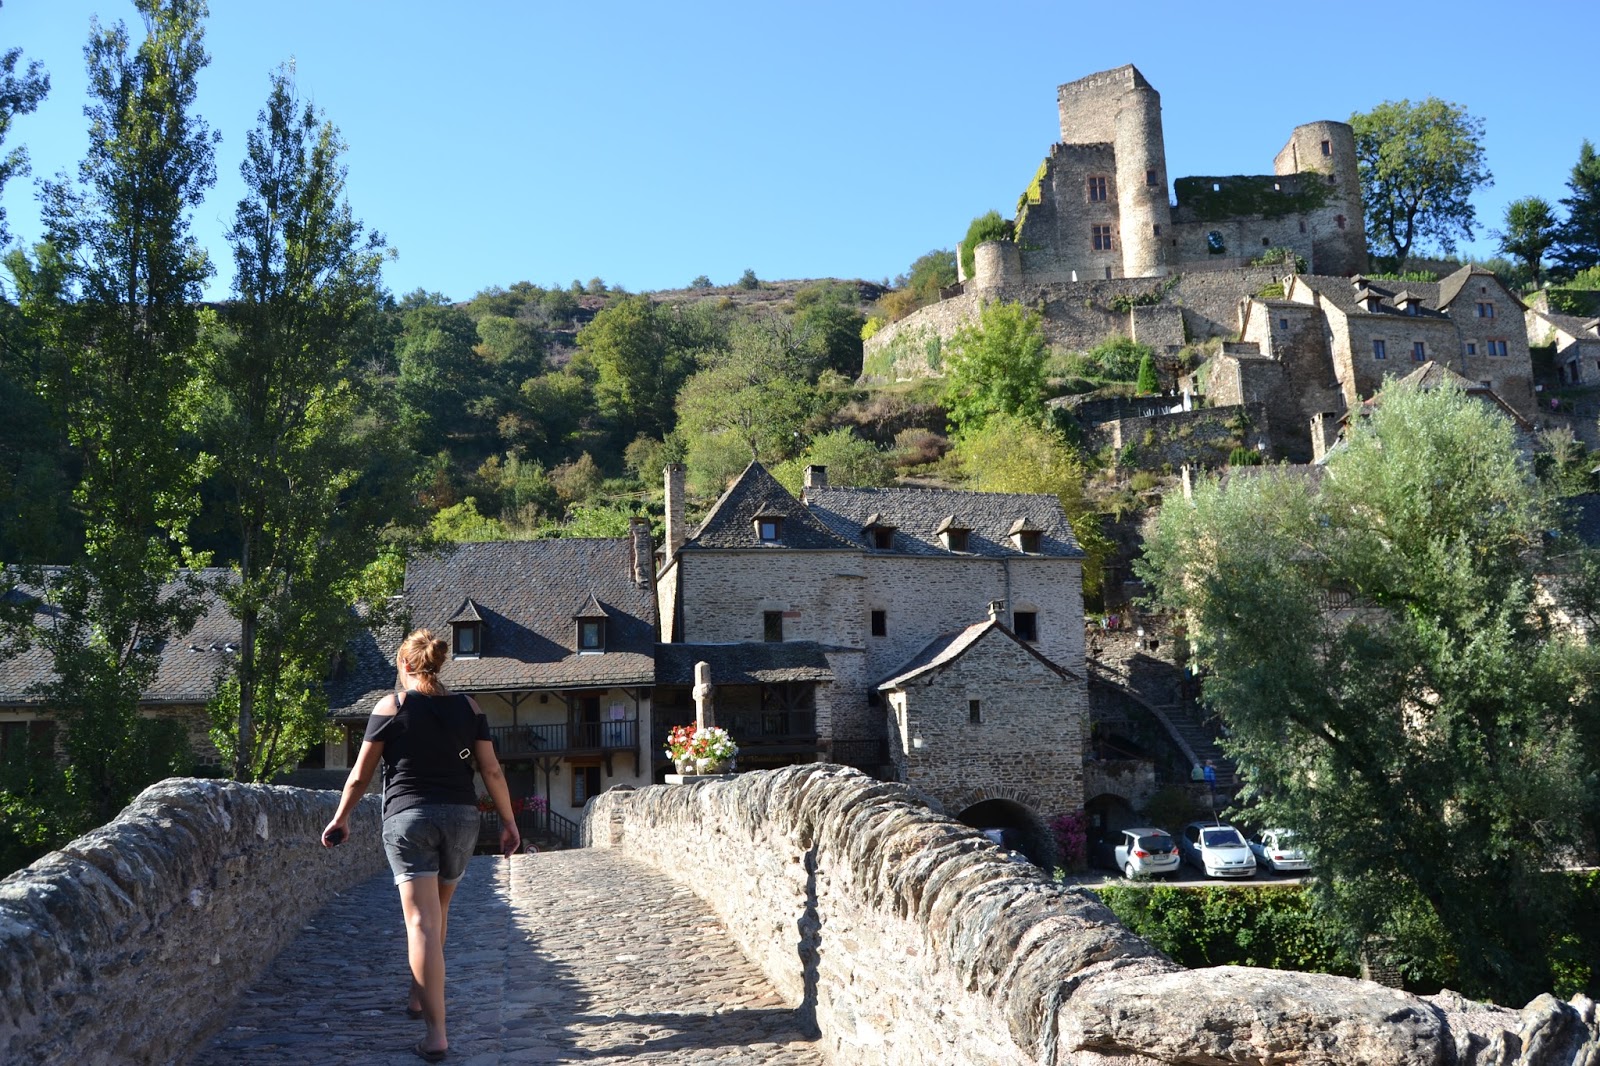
(805,915)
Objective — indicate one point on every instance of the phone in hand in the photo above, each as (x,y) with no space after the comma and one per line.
(333,837)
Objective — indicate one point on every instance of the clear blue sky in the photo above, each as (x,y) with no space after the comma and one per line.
(647,143)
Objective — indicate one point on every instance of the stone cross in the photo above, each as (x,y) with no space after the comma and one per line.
(705,714)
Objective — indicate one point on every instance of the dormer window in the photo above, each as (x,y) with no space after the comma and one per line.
(466,632)
(1408,303)
(952,534)
(1025,536)
(769,528)
(878,533)
(591,623)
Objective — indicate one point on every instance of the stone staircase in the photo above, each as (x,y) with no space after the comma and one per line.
(1136,663)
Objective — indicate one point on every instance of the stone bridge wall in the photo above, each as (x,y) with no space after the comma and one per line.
(908,938)
(128,944)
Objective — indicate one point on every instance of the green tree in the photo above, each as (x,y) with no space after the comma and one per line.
(308,505)
(829,315)
(986,227)
(995,367)
(850,460)
(700,282)
(1419,165)
(637,368)
(20,94)
(122,331)
(1529,233)
(1427,743)
(1148,383)
(1577,244)
(752,400)
(441,380)
(748,279)
(1009,453)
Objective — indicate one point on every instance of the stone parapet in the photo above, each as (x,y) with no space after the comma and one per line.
(128,944)
(905,937)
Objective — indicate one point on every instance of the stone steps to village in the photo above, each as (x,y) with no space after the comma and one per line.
(569,956)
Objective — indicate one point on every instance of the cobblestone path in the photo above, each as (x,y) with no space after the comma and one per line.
(568,956)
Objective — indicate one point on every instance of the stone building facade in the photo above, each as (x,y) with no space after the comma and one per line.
(854,584)
(1330,343)
(1576,341)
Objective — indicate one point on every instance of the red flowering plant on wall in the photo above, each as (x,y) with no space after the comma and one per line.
(1072,838)
(530,805)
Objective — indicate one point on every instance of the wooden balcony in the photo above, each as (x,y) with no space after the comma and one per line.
(549,739)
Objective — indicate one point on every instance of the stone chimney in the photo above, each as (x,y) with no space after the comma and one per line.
(816,477)
(997,610)
(644,556)
(676,532)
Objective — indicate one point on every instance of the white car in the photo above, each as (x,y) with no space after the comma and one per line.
(1217,849)
(1276,850)
(1146,853)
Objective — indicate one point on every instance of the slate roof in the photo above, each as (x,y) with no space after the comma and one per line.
(751,663)
(1435,295)
(1575,325)
(731,523)
(528,594)
(949,647)
(917,514)
(188,668)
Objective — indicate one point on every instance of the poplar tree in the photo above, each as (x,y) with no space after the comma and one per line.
(118,324)
(300,487)
(20,94)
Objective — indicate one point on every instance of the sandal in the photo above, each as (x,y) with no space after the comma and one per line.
(429,1056)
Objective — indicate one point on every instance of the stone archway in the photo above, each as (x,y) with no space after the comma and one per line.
(1020,826)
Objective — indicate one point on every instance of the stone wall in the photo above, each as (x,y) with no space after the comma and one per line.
(1203,437)
(1077,316)
(904,937)
(127,945)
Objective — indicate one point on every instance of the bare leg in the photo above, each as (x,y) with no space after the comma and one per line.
(419,899)
(414,1000)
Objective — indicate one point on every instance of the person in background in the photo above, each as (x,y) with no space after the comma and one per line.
(427,741)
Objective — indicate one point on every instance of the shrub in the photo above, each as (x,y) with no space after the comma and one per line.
(1148,383)
(1144,480)
(917,447)
(1242,456)
(1274,256)
(1232,926)
(989,227)
(748,279)
(1071,831)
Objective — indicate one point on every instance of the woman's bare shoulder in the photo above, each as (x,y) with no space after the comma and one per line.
(387,706)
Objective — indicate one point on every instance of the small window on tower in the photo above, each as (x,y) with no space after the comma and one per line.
(880,623)
(975,711)
(1097,189)
(1150,177)
(1327,148)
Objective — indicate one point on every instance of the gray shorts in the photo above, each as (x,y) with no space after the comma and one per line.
(433,840)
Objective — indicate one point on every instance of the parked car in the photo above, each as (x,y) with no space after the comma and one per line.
(1276,850)
(1146,852)
(1218,850)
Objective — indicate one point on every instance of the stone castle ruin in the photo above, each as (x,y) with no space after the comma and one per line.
(1099,247)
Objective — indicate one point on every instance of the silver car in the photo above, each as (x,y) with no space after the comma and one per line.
(1146,852)
(1217,849)
(1276,850)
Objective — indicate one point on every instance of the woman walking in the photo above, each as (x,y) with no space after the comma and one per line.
(427,741)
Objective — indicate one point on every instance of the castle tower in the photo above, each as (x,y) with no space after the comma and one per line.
(1326,151)
(1121,109)
(1141,181)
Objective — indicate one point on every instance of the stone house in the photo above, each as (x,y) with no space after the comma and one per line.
(186,676)
(1576,341)
(1330,343)
(864,581)
(555,639)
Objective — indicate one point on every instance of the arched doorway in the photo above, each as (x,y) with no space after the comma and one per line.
(1108,814)
(1018,827)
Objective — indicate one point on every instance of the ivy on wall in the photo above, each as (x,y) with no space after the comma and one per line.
(1248,195)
